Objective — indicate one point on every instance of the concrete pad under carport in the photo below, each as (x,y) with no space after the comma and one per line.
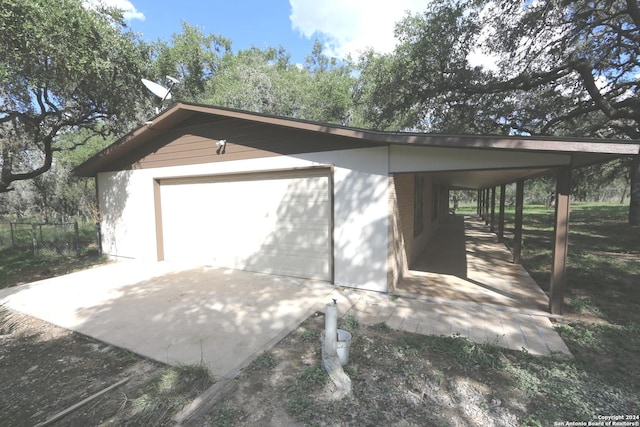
(173,313)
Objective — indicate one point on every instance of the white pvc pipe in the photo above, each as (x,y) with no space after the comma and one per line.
(331,330)
(330,353)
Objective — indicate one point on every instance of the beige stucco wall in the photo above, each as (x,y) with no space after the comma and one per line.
(360,206)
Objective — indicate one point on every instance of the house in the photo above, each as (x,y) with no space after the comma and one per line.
(349,206)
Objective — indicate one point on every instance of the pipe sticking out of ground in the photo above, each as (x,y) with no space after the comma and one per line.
(330,353)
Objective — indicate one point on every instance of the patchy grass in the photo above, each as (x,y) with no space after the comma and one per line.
(443,381)
(47,369)
(19,266)
(424,380)
(171,390)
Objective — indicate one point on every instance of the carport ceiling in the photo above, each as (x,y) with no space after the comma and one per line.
(478,179)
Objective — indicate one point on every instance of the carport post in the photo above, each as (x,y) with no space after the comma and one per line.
(486,206)
(479,202)
(517,237)
(503,189)
(493,209)
(561,240)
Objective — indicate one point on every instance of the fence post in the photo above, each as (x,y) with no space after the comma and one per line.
(34,240)
(77,234)
(99,237)
(13,239)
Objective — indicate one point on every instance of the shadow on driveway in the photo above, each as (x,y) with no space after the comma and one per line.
(172,313)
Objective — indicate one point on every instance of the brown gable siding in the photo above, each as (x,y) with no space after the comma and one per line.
(195,142)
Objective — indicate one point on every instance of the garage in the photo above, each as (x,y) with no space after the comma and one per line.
(271,222)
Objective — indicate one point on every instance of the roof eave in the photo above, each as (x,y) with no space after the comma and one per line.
(180,111)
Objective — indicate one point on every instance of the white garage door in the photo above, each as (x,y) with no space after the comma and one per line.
(278,223)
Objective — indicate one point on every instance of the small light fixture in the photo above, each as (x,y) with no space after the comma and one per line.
(222,146)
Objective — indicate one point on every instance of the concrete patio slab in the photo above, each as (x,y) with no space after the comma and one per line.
(478,323)
(173,313)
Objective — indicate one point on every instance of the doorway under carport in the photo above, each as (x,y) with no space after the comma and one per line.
(466,263)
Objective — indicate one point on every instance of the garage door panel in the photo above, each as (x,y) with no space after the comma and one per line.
(272,223)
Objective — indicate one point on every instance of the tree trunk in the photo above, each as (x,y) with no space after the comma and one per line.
(634,204)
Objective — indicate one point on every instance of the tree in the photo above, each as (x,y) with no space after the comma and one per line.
(191,56)
(265,81)
(556,67)
(63,67)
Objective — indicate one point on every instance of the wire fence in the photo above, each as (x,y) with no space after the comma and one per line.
(42,239)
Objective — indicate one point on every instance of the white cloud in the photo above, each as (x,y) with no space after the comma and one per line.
(128,9)
(476,58)
(351,26)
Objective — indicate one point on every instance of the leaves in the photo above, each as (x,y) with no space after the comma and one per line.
(65,67)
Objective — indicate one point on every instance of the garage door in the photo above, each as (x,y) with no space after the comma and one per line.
(278,223)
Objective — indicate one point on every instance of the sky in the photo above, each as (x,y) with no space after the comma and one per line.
(342,26)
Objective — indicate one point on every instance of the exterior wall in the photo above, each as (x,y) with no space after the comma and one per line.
(397,263)
(361,195)
(360,206)
(409,245)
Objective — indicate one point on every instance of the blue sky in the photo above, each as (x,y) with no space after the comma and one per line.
(342,26)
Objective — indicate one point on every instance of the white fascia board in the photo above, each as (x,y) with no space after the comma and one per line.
(434,159)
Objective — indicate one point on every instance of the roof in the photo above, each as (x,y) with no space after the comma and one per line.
(583,151)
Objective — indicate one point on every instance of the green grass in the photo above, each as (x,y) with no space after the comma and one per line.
(601,324)
(602,321)
(19,265)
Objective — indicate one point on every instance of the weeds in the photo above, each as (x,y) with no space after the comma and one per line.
(301,407)
(381,327)
(264,361)
(223,416)
(351,324)
(308,336)
(174,388)
(8,321)
(312,377)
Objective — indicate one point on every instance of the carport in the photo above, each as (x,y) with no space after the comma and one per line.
(486,164)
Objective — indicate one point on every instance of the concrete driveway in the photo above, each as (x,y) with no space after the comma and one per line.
(173,313)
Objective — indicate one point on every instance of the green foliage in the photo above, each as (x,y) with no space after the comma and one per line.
(64,67)
(312,377)
(351,324)
(302,407)
(18,265)
(309,336)
(550,68)
(265,81)
(264,361)
(193,57)
(381,327)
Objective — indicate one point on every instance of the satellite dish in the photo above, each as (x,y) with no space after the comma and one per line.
(158,90)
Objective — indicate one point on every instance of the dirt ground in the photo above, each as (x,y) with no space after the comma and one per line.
(46,369)
(395,382)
